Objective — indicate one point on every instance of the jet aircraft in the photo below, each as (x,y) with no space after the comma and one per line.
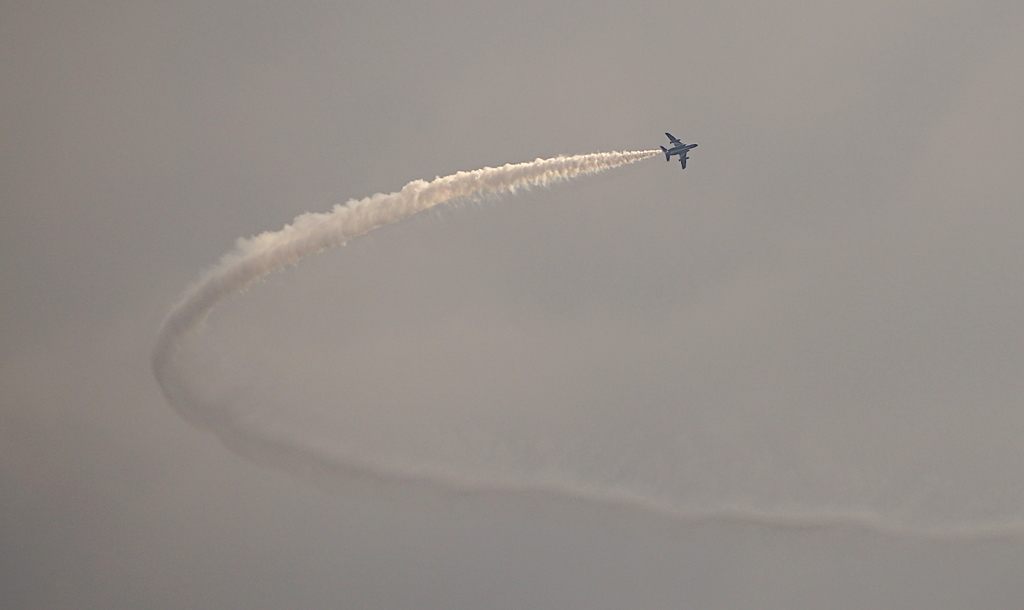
(678,148)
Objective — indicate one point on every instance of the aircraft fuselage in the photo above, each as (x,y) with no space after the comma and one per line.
(678,150)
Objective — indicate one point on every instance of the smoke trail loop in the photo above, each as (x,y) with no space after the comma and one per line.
(308,233)
(312,232)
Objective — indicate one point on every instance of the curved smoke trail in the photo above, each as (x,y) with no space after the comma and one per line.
(255,257)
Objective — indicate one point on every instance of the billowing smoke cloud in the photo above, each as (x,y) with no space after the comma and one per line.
(255,257)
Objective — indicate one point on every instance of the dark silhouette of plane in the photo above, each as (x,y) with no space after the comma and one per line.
(678,148)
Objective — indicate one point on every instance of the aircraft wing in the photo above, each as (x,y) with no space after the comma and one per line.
(672,138)
(682,161)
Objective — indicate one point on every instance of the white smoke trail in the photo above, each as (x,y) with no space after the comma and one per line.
(308,234)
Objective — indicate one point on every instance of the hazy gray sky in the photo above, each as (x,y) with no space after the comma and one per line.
(804,351)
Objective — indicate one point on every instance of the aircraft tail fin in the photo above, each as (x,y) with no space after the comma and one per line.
(665,150)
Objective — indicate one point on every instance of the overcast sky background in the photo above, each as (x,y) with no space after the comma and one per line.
(797,365)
